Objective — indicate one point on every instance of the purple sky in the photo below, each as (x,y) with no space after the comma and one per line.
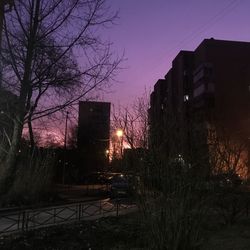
(152,32)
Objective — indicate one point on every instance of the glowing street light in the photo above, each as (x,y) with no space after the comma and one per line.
(107,153)
(119,133)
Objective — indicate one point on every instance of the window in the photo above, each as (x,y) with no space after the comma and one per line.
(186,98)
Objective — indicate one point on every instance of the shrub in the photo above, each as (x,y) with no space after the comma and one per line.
(33,178)
(173,206)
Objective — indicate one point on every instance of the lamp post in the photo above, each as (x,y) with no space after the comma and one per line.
(65,147)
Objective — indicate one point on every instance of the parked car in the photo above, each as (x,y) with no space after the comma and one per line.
(95,178)
(121,186)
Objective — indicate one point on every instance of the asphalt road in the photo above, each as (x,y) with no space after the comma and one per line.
(71,193)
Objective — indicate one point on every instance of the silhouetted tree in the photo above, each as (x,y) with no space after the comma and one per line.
(133,120)
(43,43)
(228,151)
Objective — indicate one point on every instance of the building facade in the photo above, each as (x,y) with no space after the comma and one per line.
(93,136)
(205,104)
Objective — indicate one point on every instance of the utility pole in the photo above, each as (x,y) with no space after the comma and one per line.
(2,11)
(65,147)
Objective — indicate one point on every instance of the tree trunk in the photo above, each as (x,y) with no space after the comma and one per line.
(31,134)
(8,170)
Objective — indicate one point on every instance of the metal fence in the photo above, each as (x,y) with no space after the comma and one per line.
(24,220)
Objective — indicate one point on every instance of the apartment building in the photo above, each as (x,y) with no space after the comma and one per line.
(93,136)
(206,99)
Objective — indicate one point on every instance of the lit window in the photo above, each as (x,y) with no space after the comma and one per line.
(186,98)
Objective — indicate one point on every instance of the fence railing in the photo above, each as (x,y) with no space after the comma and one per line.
(23,220)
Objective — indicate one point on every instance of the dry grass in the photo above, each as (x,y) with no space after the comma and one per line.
(104,234)
(124,233)
(33,179)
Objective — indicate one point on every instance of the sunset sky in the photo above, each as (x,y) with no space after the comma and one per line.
(152,32)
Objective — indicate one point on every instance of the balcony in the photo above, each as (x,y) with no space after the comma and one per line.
(204,71)
(204,88)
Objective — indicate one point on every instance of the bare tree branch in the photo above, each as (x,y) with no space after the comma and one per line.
(40,44)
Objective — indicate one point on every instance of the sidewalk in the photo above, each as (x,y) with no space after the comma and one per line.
(28,219)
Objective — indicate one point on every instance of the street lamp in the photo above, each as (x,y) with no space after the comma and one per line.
(119,134)
(107,153)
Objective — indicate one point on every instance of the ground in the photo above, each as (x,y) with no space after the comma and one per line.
(234,237)
(125,232)
(107,233)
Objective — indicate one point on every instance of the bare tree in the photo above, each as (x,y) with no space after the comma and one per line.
(133,121)
(172,206)
(43,43)
(228,151)
(141,108)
